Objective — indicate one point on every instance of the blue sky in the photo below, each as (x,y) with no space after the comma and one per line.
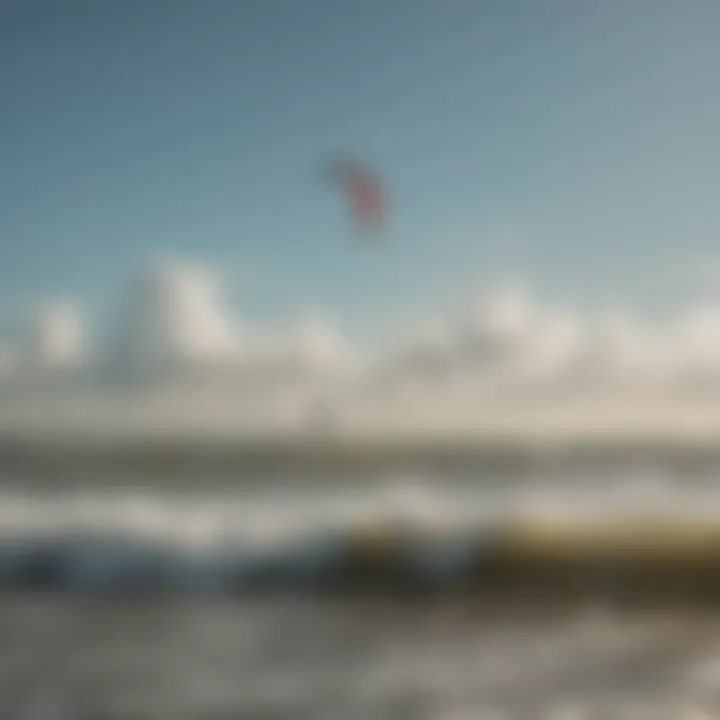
(571,142)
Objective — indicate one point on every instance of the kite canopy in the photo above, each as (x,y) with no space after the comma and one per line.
(363,190)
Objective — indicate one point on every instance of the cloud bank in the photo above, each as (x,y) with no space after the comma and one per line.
(178,362)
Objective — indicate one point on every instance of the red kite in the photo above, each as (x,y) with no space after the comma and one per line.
(364,192)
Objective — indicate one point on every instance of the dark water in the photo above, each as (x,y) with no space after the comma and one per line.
(70,657)
(67,653)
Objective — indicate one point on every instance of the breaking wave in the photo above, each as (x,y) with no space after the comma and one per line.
(409,533)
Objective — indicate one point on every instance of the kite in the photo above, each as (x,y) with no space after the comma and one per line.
(364,192)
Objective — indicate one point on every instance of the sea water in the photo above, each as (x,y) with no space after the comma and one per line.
(210,654)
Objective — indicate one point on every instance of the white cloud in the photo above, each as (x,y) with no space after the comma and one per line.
(696,339)
(555,344)
(499,326)
(509,363)
(174,318)
(504,338)
(54,338)
(620,350)
(311,345)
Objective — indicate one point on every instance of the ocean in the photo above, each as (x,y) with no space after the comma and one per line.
(228,596)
